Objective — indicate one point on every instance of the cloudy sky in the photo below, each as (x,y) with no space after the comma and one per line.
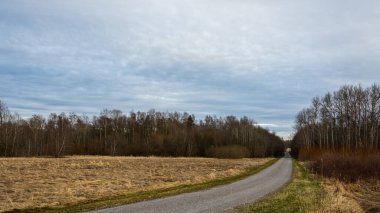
(264,59)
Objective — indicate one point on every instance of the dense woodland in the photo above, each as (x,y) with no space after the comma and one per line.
(348,119)
(141,133)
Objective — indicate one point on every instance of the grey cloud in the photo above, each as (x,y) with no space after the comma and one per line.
(264,59)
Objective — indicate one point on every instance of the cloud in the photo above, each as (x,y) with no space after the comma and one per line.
(263,59)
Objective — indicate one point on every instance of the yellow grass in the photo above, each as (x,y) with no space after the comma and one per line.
(41,182)
(338,199)
(361,196)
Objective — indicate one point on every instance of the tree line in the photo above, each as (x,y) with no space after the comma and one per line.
(347,119)
(137,134)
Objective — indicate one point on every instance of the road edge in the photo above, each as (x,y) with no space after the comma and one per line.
(303,193)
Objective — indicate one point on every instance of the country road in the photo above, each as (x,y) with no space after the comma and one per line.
(220,198)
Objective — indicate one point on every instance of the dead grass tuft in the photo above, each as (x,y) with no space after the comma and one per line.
(338,198)
(361,196)
(366,193)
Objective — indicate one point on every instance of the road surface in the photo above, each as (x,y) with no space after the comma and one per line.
(217,199)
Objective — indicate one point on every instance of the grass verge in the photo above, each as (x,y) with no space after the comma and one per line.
(302,194)
(147,195)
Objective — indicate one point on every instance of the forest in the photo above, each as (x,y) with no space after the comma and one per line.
(348,119)
(340,134)
(136,134)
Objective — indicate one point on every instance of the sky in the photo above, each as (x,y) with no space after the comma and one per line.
(263,59)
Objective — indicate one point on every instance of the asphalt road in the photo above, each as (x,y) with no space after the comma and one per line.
(220,198)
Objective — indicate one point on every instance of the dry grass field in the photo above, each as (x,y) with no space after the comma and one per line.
(41,182)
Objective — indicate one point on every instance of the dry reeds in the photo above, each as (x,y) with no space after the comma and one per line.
(345,165)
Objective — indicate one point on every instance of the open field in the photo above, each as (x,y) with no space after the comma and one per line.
(41,182)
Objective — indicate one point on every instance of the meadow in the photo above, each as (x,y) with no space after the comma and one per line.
(53,182)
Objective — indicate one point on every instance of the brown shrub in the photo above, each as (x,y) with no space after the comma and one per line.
(347,166)
(230,151)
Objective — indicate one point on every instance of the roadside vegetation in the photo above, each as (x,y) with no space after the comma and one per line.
(352,177)
(303,194)
(308,192)
(73,184)
(338,139)
(347,166)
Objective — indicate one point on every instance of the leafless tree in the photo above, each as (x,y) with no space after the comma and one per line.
(348,119)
